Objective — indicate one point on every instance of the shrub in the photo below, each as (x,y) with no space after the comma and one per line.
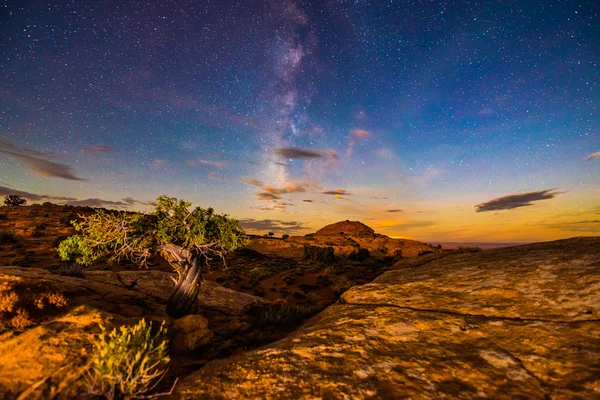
(14,200)
(467,249)
(318,253)
(3,216)
(7,237)
(74,248)
(38,230)
(359,255)
(259,273)
(66,220)
(341,284)
(285,236)
(425,252)
(279,313)
(129,362)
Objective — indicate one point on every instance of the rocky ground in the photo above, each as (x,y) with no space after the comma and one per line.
(521,322)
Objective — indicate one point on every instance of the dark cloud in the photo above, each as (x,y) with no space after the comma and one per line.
(395,210)
(295,153)
(593,156)
(336,193)
(97,149)
(516,200)
(96,202)
(209,163)
(282,164)
(36,161)
(5,191)
(266,196)
(307,201)
(270,225)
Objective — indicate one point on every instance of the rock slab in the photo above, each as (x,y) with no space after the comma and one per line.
(520,322)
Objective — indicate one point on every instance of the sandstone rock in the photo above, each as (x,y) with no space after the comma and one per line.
(351,228)
(189,333)
(521,322)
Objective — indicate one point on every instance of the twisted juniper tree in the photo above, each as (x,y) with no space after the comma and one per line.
(188,239)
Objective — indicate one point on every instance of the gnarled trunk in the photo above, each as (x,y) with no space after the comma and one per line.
(184,299)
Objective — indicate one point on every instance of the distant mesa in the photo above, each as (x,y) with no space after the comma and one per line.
(350,228)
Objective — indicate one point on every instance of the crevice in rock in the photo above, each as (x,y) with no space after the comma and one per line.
(457,314)
(530,373)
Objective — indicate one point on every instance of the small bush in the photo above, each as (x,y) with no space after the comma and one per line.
(65,220)
(424,252)
(74,248)
(7,237)
(359,255)
(341,284)
(467,249)
(3,216)
(129,362)
(318,253)
(14,200)
(38,230)
(259,273)
(285,236)
(278,313)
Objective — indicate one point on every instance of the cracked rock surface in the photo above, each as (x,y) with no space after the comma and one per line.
(520,322)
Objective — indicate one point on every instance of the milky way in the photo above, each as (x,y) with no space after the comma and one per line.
(458,120)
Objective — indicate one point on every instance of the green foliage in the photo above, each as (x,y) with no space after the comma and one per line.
(14,200)
(259,273)
(199,229)
(66,220)
(137,236)
(76,248)
(129,362)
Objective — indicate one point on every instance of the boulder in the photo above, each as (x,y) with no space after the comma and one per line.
(520,322)
(189,333)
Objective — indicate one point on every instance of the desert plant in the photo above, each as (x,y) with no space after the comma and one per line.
(425,252)
(271,234)
(129,362)
(3,216)
(468,249)
(66,220)
(186,238)
(14,200)
(285,236)
(318,253)
(259,273)
(38,230)
(341,284)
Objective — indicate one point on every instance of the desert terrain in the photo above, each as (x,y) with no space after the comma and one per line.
(382,318)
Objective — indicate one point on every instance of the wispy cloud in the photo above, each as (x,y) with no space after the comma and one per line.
(214,164)
(592,225)
(271,225)
(266,196)
(158,163)
(337,193)
(307,201)
(355,136)
(298,153)
(593,156)
(96,202)
(395,210)
(97,149)
(5,191)
(37,162)
(516,200)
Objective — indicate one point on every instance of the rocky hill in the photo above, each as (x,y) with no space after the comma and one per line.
(350,228)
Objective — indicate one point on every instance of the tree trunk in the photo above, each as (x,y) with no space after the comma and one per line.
(184,299)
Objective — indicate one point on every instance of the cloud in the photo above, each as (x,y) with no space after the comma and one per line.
(298,153)
(378,198)
(253,182)
(338,193)
(360,133)
(307,201)
(394,211)
(4,191)
(593,156)
(289,188)
(96,202)
(36,161)
(516,200)
(271,225)
(97,149)
(214,164)
(266,196)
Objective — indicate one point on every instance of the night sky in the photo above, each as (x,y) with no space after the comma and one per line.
(450,121)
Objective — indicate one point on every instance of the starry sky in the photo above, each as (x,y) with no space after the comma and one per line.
(447,121)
